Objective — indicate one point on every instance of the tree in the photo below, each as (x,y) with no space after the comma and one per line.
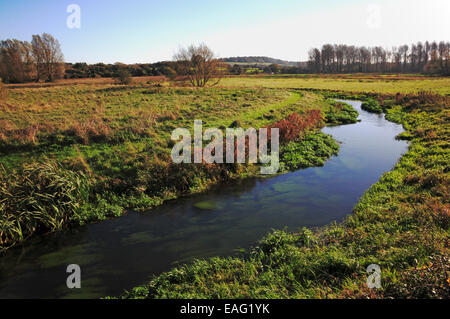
(199,64)
(47,56)
(236,69)
(274,68)
(123,76)
(327,57)
(352,55)
(403,50)
(433,65)
(314,60)
(340,51)
(420,56)
(16,63)
(414,58)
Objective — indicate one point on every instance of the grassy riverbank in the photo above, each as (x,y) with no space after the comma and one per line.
(72,155)
(401,224)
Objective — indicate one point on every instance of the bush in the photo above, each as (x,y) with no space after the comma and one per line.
(313,150)
(296,125)
(341,113)
(123,77)
(372,106)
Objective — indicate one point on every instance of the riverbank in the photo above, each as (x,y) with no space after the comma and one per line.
(77,155)
(401,224)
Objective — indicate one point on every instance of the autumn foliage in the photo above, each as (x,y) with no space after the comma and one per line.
(292,127)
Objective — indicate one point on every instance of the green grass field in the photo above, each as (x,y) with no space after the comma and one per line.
(116,141)
(375,84)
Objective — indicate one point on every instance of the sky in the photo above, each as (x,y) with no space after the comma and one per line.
(139,31)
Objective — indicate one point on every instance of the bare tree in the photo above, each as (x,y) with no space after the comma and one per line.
(48,56)
(314,60)
(414,58)
(352,55)
(16,63)
(420,56)
(199,64)
(403,50)
(339,53)
(427,52)
(328,54)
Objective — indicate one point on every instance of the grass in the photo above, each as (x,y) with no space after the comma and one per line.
(352,83)
(116,139)
(3,92)
(401,223)
(44,197)
(359,82)
(52,120)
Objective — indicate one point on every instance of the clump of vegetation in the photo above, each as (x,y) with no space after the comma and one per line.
(295,125)
(40,198)
(123,76)
(371,106)
(340,113)
(235,124)
(313,150)
(424,99)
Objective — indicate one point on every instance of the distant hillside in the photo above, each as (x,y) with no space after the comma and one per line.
(257,60)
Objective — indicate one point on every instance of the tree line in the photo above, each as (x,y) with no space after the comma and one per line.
(42,60)
(102,70)
(23,61)
(428,57)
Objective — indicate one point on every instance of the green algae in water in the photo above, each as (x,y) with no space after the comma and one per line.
(206,205)
(138,238)
(284,187)
(65,255)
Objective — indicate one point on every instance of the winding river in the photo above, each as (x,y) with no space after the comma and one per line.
(124,252)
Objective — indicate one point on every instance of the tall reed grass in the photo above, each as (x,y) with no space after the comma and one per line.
(40,198)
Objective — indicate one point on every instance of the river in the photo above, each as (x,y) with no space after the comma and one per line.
(125,252)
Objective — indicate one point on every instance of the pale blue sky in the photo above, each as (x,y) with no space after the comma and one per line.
(148,31)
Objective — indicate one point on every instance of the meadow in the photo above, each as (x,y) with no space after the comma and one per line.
(359,82)
(391,84)
(83,153)
(73,153)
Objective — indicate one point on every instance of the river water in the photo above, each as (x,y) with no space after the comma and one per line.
(125,252)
